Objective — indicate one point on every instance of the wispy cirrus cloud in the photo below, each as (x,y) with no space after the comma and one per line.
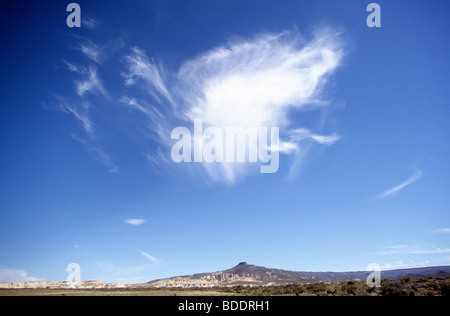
(416,176)
(246,83)
(298,135)
(414,255)
(92,51)
(140,67)
(413,250)
(406,264)
(441,231)
(79,110)
(135,221)
(88,86)
(89,82)
(16,275)
(90,23)
(149,257)
(416,262)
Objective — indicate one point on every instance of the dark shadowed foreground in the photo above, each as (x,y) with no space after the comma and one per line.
(405,286)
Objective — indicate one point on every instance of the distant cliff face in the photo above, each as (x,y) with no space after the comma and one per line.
(210,280)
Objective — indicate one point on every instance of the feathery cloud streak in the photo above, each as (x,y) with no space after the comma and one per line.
(441,231)
(414,250)
(134,221)
(149,257)
(416,176)
(16,275)
(247,83)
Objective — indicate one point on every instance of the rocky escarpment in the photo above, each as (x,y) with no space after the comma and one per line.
(213,280)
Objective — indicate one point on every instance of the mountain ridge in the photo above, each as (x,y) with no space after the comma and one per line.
(243,274)
(251,275)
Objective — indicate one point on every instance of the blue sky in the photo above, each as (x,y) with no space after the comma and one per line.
(85,137)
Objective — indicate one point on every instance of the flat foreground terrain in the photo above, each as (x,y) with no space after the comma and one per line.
(402,287)
(109,292)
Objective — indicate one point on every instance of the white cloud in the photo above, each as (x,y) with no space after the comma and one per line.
(416,176)
(91,83)
(255,82)
(71,67)
(414,250)
(149,257)
(97,152)
(140,67)
(405,265)
(300,134)
(90,23)
(246,83)
(79,109)
(134,221)
(91,51)
(16,275)
(441,231)
(414,263)
(79,106)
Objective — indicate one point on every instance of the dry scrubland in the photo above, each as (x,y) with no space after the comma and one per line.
(403,287)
